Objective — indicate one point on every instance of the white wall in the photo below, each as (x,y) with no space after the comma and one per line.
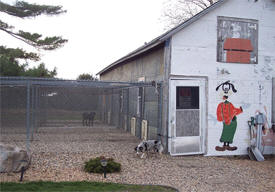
(194,53)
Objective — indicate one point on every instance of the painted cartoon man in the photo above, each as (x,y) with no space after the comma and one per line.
(226,112)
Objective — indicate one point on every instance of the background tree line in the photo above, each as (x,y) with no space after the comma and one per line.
(14,61)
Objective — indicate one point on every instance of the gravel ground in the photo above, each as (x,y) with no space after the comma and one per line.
(58,154)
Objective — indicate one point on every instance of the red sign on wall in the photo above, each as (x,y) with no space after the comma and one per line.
(237,50)
(237,40)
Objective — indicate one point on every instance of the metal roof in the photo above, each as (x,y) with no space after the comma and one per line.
(162,38)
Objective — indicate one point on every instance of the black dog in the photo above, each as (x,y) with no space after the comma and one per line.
(88,118)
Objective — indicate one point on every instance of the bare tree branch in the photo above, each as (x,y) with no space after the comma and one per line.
(177,11)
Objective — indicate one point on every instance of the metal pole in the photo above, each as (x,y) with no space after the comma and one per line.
(111,105)
(120,113)
(127,110)
(159,111)
(28,117)
(139,112)
(36,109)
(32,112)
(143,95)
(104,168)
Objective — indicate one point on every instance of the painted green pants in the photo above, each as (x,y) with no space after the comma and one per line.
(228,131)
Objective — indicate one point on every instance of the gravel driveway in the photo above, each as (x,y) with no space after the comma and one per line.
(59,155)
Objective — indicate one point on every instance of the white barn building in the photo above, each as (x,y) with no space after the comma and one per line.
(231,42)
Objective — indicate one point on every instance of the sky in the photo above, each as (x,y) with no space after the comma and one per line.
(99,32)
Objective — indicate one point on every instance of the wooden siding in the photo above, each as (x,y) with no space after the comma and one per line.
(148,67)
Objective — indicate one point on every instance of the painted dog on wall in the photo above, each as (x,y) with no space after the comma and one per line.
(88,118)
(226,113)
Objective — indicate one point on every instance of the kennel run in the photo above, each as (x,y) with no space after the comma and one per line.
(30,103)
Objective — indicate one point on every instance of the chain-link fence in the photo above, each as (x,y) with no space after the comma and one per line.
(31,105)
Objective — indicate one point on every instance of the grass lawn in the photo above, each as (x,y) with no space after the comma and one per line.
(79,186)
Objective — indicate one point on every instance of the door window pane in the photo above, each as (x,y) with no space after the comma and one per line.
(188,123)
(187,98)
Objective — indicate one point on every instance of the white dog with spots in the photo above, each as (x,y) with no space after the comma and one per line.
(149,146)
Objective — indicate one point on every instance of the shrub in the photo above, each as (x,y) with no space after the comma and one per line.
(94,166)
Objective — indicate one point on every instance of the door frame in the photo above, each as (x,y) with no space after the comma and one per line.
(202,82)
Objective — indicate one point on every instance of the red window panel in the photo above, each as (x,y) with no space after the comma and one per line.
(238,44)
(237,57)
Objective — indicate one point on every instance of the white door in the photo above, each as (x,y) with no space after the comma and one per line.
(186,116)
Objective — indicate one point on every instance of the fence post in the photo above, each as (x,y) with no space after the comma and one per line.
(159,128)
(28,117)
(143,89)
(120,114)
(127,110)
(36,109)
(32,112)
(140,111)
(111,105)
(105,118)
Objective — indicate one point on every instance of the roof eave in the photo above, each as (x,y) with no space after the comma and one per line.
(138,51)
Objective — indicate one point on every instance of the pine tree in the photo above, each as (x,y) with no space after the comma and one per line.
(9,64)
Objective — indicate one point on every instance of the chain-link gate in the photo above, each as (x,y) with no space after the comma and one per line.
(31,105)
